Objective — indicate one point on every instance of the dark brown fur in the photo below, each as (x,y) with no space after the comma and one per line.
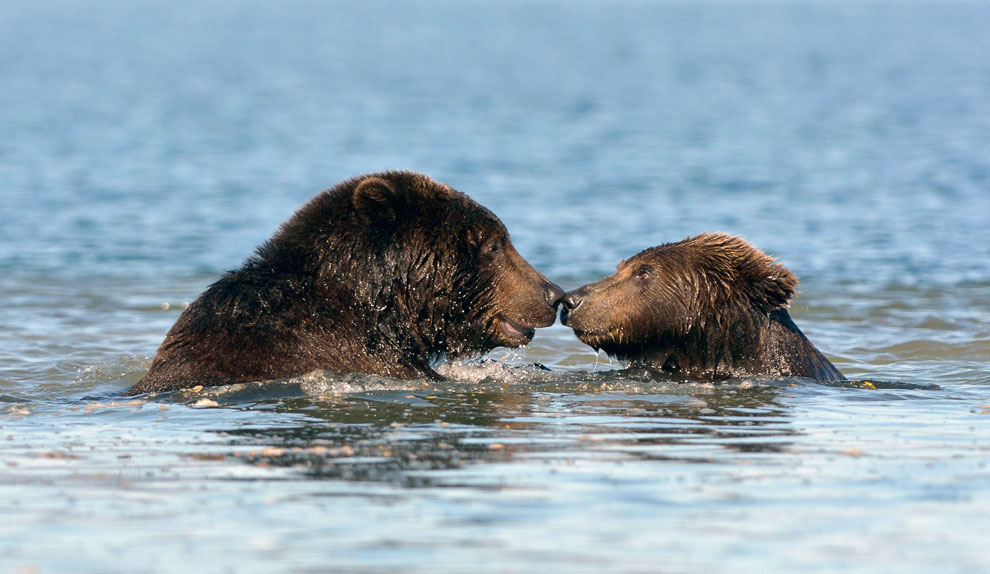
(382,274)
(709,307)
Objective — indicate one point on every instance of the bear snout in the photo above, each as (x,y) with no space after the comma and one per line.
(573,300)
(569,303)
(554,294)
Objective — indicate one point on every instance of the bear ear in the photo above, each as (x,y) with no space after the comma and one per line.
(775,288)
(375,200)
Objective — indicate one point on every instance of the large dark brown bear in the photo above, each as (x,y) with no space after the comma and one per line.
(382,274)
(709,307)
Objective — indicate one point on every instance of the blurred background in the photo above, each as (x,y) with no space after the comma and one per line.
(849,138)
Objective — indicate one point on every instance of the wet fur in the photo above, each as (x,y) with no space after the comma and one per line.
(382,274)
(709,307)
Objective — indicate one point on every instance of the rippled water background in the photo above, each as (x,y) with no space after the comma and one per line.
(147,147)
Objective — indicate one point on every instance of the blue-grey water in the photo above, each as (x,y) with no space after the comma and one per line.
(147,147)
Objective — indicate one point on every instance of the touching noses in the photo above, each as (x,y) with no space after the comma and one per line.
(572,300)
(554,294)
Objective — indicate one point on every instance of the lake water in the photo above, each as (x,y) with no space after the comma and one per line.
(147,147)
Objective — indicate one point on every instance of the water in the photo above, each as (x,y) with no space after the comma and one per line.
(148,147)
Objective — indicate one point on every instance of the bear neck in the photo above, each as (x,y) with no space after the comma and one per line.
(787,352)
(728,346)
(400,332)
(409,321)
(366,319)
(755,344)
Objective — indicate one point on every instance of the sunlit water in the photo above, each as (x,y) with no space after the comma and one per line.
(149,147)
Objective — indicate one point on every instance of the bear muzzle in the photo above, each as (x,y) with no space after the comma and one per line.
(554,294)
(520,329)
(570,303)
(516,333)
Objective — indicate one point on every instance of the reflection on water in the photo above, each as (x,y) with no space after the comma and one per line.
(505,462)
(367,428)
(386,436)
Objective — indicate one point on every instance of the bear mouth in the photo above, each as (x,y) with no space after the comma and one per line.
(515,333)
(598,338)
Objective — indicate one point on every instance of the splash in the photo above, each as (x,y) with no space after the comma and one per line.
(502,370)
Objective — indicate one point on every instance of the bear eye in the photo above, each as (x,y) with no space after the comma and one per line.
(493,247)
(644,272)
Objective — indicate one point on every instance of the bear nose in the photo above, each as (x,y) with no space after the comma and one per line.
(572,300)
(554,294)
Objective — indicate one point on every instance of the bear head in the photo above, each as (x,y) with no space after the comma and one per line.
(701,298)
(419,267)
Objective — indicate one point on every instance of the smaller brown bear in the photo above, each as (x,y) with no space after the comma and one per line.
(708,307)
